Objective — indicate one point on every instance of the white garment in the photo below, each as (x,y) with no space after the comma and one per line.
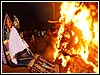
(15,44)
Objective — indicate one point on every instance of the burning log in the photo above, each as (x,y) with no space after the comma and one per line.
(53,21)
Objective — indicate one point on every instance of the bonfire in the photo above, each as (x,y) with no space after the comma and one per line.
(77,37)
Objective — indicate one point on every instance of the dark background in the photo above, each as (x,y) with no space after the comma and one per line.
(31,14)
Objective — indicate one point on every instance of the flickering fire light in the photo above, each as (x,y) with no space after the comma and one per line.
(78,22)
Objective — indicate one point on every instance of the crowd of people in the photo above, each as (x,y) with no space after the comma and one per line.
(37,40)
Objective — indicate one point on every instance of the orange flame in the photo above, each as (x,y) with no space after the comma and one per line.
(85,20)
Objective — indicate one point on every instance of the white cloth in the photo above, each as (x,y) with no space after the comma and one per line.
(15,44)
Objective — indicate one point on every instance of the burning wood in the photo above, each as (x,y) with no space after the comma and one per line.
(77,34)
(76,46)
(53,21)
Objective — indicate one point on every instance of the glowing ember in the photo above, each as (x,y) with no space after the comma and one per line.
(78,23)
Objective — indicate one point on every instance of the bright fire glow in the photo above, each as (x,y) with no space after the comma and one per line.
(77,14)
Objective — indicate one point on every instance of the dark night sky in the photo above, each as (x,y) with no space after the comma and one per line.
(30,14)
